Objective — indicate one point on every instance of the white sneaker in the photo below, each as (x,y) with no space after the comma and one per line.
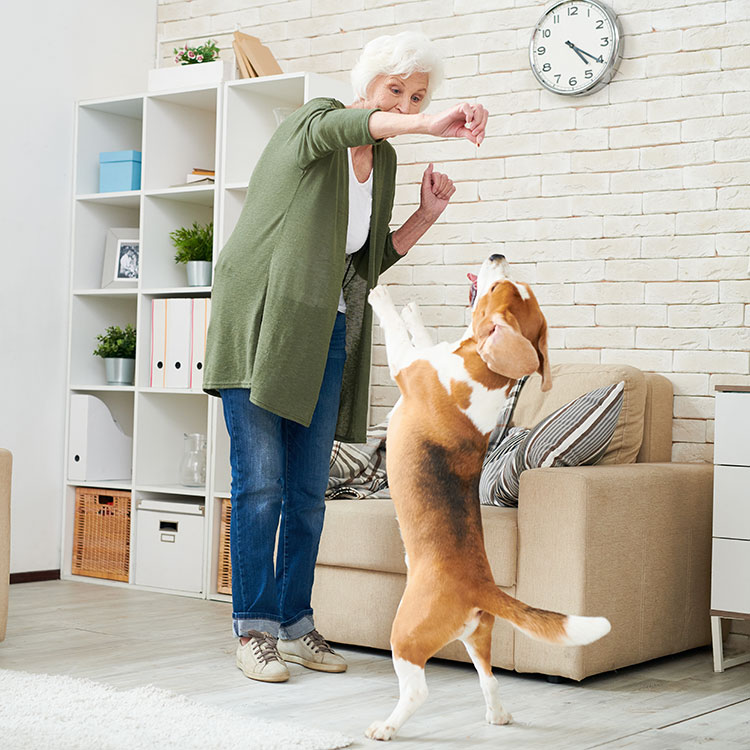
(259,658)
(313,652)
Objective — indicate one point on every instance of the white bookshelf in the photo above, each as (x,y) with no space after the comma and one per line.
(225,128)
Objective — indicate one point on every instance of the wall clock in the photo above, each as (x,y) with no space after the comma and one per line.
(576,47)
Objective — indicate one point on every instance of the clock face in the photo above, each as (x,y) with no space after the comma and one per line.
(575,47)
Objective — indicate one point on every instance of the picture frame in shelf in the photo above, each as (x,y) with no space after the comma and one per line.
(121,258)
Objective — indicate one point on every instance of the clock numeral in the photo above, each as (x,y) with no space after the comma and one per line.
(546,32)
(572,10)
(555,19)
(605,41)
(541,50)
(557,78)
(600,24)
(572,81)
(589,74)
(546,67)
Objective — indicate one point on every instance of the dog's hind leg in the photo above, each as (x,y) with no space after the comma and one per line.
(412,694)
(414,639)
(479,646)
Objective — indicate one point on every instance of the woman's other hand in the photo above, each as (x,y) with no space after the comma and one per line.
(460,121)
(436,191)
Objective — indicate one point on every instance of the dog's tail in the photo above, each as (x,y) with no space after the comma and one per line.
(542,624)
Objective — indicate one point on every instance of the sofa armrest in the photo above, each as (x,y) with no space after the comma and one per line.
(631,542)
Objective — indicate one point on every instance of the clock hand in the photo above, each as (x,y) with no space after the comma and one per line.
(578,51)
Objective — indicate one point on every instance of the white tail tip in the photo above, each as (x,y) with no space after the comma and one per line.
(582,630)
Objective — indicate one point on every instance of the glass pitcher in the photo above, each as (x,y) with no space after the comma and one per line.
(193,463)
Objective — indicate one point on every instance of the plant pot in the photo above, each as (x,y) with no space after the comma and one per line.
(119,370)
(191,76)
(199,273)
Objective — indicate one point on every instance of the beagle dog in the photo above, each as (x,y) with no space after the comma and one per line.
(451,395)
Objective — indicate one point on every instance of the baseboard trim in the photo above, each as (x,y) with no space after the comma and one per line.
(35,575)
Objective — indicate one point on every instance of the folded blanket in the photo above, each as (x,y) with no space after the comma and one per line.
(358,469)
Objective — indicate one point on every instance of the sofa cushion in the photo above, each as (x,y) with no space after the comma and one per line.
(569,381)
(577,434)
(364,534)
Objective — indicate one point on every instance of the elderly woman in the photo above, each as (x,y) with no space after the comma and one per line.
(288,345)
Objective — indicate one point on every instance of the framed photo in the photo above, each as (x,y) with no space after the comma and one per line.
(121,258)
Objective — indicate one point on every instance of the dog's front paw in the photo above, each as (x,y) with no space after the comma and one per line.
(380,730)
(411,315)
(380,301)
(498,716)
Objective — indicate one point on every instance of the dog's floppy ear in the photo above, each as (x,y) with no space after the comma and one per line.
(507,351)
(541,351)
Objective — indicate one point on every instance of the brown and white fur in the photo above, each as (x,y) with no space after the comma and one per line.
(437,437)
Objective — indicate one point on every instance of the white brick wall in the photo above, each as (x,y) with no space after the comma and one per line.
(628,209)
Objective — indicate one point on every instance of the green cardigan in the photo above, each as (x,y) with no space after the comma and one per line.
(277,280)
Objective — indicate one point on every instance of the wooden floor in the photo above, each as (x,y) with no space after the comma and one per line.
(132,638)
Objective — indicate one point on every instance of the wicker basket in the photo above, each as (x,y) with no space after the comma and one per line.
(224,577)
(101,537)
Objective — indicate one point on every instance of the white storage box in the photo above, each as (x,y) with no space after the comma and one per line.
(191,76)
(169,545)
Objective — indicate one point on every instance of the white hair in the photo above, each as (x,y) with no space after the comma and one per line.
(401,54)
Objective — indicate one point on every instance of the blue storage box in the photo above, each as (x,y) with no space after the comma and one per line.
(119,170)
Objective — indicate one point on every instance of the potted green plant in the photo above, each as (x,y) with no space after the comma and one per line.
(195,248)
(197,66)
(117,348)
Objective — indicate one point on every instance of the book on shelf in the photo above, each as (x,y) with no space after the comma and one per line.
(197,179)
(254,58)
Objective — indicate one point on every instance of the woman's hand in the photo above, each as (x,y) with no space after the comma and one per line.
(435,192)
(460,121)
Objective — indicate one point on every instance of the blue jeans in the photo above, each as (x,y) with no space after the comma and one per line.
(279,470)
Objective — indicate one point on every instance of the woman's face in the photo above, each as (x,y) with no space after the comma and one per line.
(397,93)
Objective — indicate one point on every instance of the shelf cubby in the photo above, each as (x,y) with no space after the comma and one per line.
(92,315)
(222,476)
(105,125)
(162,214)
(180,136)
(234,199)
(251,121)
(93,220)
(162,421)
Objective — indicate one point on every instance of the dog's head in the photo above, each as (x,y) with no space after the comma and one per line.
(507,324)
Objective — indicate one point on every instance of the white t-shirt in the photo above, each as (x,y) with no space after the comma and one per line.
(360,210)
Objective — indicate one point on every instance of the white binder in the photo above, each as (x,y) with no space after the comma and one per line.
(179,314)
(201,312)
(98,449)
(158,343)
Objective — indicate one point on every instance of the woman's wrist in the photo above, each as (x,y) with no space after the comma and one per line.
(423,216)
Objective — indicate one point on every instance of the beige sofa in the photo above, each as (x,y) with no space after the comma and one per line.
(629,538)
(5,468)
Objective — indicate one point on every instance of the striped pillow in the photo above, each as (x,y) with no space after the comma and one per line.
(576,434)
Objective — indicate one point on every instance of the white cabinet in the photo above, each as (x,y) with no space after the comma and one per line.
(730,568)
(223,127)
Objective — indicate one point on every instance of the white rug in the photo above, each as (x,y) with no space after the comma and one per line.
(46,712)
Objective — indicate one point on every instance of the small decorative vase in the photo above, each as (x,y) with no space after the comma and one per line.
(119,370)
(199,272)
(193,463)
